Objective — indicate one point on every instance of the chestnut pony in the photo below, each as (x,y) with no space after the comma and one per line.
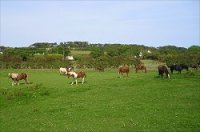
(123,69)
(140,67)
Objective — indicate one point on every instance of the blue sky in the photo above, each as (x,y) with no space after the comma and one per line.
(151,23)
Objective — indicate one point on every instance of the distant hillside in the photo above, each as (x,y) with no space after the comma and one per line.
(53,55)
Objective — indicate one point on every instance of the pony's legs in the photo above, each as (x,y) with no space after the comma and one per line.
(168,76)
(72,82)
(26,80)
(13,83)
(119,74)
(83,80)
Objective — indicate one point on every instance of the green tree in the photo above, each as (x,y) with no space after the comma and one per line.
(97,52)
(194,49)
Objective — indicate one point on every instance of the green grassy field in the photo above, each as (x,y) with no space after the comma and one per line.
(140,102)
(78,52)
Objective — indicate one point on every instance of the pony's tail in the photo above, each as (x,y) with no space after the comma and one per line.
(27,79)
(119,74)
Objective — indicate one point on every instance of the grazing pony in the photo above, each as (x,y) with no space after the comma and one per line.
(195,66)
(99,69)
(163,69)
(123,69)
(63,70)
(184,66)
(17,76)
(76,75)
(140,67)
(70,68)
(178,68)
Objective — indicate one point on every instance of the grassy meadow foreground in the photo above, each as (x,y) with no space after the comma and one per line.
(140,102)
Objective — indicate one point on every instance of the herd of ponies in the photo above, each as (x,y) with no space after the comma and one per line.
(75,75)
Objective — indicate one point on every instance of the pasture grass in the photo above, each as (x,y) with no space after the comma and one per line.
(140,102)
(80,52)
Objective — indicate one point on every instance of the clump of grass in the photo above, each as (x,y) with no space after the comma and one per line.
(40,89)
(19,93)
(10,96)
(28,92)
(36,86)
(4,92)
(35,110)
(44,93)
(189,74)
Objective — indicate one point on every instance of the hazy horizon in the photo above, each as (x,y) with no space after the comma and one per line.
(104,44)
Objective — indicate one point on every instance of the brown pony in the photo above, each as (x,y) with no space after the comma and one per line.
(140,67)
(123,69)
(99,69)
(195,66)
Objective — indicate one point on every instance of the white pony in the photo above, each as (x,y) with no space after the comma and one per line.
(62,70)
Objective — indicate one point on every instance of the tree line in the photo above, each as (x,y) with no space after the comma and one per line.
(53,55)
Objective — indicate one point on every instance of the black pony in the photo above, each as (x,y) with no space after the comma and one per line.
(178,67)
